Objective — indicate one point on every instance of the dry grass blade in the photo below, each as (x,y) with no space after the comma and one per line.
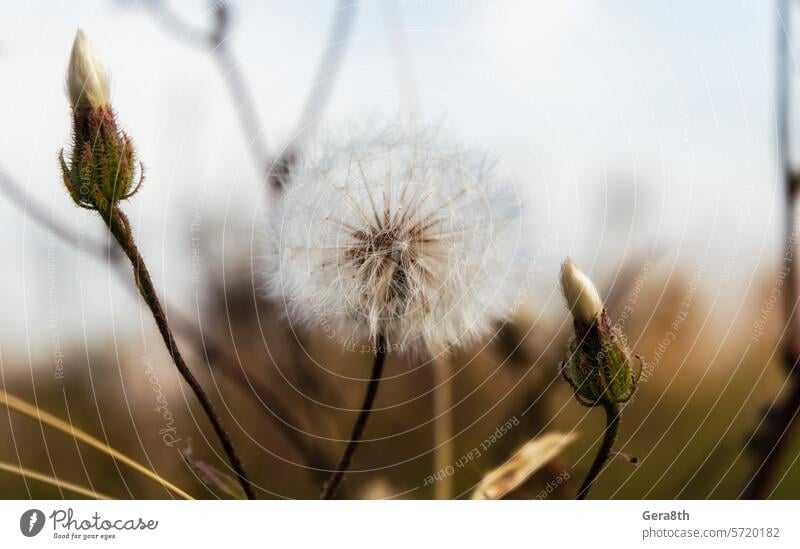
(527,460)
(66,485)
(24,407)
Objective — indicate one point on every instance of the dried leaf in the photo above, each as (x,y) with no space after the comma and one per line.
(527,460)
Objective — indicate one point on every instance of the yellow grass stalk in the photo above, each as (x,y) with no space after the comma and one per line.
(24,407)
(66,485)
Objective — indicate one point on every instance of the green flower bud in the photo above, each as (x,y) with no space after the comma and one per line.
(600,367)
(102,169)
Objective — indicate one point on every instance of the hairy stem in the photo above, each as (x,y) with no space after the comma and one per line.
(120,228)
(604,452)
(361,422)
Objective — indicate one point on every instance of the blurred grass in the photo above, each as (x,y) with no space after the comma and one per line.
(688,423)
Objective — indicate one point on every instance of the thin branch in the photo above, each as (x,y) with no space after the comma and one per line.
(30,208)
(329,492)
(321,91)
(238,89)
(216,40)
(119,226)
(768,442)
(214,352)
(329,65)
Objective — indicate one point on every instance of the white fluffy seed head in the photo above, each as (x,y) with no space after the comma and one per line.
(398,232)
(581,295)
(87,81)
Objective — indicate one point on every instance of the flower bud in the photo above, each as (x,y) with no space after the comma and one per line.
(600,367)
(582,297)
(87,82)
(102,169)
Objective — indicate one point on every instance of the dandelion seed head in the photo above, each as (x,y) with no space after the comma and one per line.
(396,231)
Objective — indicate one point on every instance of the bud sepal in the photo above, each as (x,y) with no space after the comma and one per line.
(600,368)
(103,165)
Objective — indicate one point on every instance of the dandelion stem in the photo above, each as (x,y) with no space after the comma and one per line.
(442,426)
(361,422)
(604,452)
(118,223)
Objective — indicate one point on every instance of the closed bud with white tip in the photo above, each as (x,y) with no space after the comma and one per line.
(581,295)
(599,365)
(102,169)
(87,81)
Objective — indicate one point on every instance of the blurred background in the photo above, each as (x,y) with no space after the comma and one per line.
(644,138)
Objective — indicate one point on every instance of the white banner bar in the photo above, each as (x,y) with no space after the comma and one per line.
(400,524)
